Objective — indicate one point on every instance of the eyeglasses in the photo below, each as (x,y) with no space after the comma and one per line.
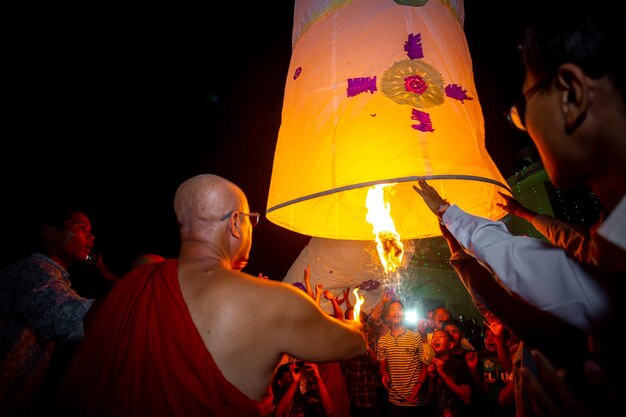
(254,216)
(517,113)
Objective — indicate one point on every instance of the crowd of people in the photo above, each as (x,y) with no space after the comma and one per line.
(188,336)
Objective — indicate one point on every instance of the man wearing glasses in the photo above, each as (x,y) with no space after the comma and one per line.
(573,107)
(196,336)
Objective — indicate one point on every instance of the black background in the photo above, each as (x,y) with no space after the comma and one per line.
(115,107)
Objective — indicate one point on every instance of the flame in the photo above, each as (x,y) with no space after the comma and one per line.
(356,313)
(388,243)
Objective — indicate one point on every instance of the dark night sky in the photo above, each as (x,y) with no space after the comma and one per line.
(116,107)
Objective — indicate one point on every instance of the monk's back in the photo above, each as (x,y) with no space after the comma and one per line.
(231,311)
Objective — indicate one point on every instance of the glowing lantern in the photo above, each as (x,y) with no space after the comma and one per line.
(379,92)
(356,313)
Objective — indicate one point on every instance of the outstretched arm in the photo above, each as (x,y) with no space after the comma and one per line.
(307,281)
(284,404)
(327,402)
(489,295)
(106,273)
(531,268)
(346,297)
(309,333)
(337,313)
(512,206)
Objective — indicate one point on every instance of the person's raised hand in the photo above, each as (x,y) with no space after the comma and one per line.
(511,205)
(494,324)
(307,273)
(431,197)
(387,295)
(346,297)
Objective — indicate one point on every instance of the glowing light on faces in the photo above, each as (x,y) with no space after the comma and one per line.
(356,313)
(410,317)
(388,243)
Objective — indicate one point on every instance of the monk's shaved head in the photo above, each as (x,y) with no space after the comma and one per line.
(206,197)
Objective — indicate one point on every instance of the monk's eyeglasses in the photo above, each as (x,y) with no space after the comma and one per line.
(253,216)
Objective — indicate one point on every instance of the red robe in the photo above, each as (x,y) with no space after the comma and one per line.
(143,356)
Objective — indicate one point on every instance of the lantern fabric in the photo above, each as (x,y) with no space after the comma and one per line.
(340,264)
(425,280)
(379,92)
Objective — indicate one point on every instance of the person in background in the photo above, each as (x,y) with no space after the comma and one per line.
(299,391)
(426,326)
(440,316)
(479,405)
(400,354)
(472,332)
(331,371)
(574,109)
(41,315)
(377,326)
(449,384)
(193,328)
(360,374)
(377,321)
(455,330)
(533,328)
(497,369)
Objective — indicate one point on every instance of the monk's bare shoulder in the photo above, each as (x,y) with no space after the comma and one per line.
(235,293)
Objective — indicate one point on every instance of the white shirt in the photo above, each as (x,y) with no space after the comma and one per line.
(613,228)
(535,270)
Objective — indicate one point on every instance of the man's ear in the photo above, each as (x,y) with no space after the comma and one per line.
(573,86)
(234,223)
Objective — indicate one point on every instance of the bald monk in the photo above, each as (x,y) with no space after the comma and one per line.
(195,336)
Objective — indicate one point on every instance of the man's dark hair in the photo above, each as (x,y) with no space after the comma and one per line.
(280,371)
(54,216)
(590,34)
(453,322)
(385,314)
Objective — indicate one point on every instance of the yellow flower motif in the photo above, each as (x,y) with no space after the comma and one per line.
(414,83)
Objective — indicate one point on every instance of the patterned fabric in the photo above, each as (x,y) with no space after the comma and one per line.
(360,381)
(404,355)
(37,309)
(496,379)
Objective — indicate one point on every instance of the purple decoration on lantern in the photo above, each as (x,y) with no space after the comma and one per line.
(296,74)
(369,285)
(361,85)
(413,46)
(457,92)
(415,84)
(299,285)
(425,125)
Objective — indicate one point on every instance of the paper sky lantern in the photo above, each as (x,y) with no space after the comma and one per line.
(379,92)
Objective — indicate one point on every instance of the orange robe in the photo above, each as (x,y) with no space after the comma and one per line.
(143,356)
